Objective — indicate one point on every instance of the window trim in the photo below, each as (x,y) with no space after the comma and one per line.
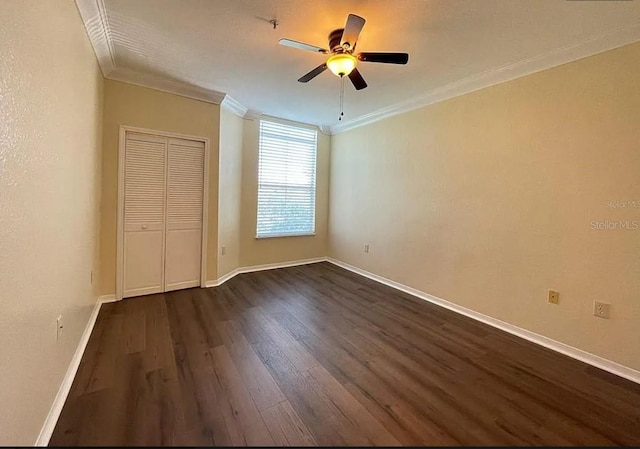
(277,236)
(315,191)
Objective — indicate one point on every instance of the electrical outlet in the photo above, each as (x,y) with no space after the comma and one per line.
(601,309)
(223,250)
(59,328)
(554,297)
(366,247)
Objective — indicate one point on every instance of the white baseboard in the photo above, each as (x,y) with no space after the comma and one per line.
(224,278)
(270,266)
(106,298)
(56,408)
(578,354)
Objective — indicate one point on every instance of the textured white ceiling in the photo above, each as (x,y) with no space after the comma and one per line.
(229,46)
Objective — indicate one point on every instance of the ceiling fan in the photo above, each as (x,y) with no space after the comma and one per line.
(342,62)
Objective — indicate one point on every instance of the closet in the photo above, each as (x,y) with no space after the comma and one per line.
(162,184)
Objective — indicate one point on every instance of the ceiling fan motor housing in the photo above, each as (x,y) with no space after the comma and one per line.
(341,60)
(334,41)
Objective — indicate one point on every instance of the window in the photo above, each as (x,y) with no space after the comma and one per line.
(286,180)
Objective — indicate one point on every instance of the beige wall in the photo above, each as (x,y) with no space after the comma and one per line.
(280,249)
(232,184)
(486,200)
(129,105)
(50,143)
(229,191)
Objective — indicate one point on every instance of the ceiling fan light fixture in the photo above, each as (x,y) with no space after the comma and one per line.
(342,64)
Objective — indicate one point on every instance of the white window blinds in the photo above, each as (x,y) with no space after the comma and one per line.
(286,180)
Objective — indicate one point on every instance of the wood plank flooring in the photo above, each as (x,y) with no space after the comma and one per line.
(317,355)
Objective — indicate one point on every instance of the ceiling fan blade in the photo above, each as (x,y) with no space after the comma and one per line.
(358,81)
(352,30)
(312,74)
(387,58)
(302,46)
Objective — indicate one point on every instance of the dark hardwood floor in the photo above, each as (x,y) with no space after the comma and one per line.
(316,355)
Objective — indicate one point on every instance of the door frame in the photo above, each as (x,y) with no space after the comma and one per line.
(120,211)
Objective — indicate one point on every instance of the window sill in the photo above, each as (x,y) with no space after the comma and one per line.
(274,236)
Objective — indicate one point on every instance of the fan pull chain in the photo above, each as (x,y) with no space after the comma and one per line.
(341,98)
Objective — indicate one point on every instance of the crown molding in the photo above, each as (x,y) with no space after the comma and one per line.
(325,129)
(233,105)
(96,24)
(608,41)
(252,114)
(170,86)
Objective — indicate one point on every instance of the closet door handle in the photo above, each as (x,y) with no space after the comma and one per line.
(144,226)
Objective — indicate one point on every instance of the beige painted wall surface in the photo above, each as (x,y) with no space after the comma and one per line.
(487,200)
(280,249)
(130,105)
(229,191)
(50,144)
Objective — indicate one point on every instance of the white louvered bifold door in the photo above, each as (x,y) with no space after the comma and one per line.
(184,214)
(144,214)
